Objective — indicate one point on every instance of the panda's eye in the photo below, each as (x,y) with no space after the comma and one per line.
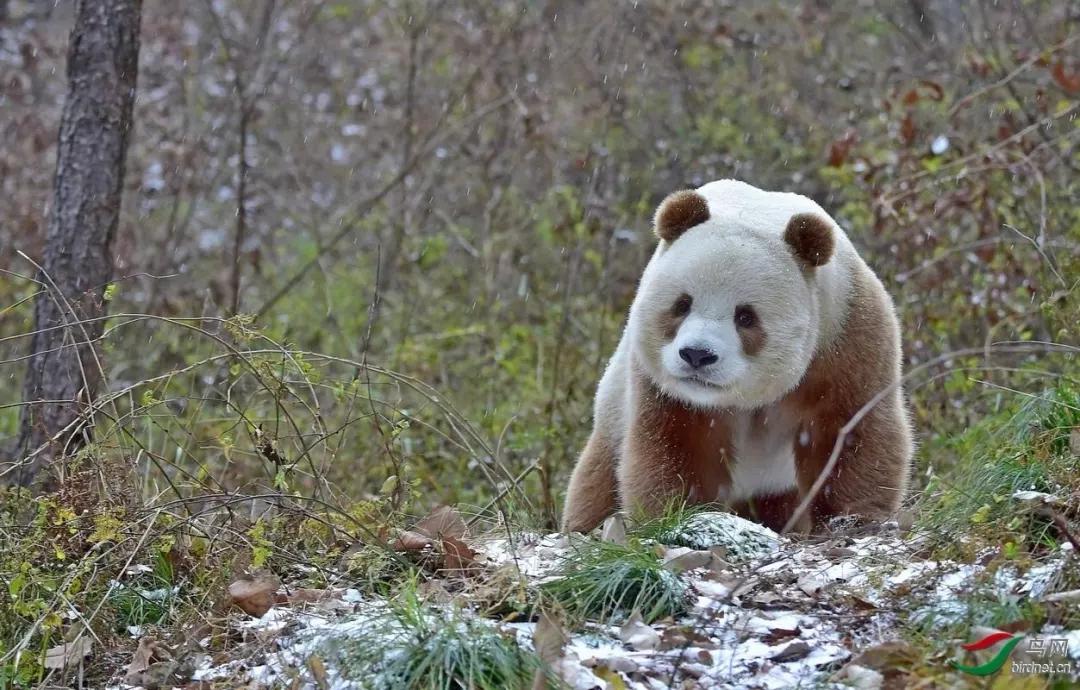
(745,316)
(682,305)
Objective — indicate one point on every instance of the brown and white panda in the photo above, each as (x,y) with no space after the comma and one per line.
(756,333)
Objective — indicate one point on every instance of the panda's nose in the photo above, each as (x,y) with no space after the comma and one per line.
(697,357)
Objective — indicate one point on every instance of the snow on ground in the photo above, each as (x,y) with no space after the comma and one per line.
(794,614)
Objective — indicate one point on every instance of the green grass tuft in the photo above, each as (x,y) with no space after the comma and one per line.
(1023,447)
(148,599)
(413,645)
(608,581)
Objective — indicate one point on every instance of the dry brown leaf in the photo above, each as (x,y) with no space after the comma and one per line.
(301,595)
(149,651)
(68,654)
(793,652)
(158,675)
(410,540)
(778,635)
(635,633)
(457,555)
(444,521)
(767,599)
(887,656)
(255,596)
(434,591)
(548,639)
(318,671)
(675,637)
(681,560)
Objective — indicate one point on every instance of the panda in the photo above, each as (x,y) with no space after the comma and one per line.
(757,332)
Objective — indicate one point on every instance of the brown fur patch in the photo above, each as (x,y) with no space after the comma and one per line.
(671,319)
(679,212)
(871,475)
(673,451)
(811,239)
(592,495)
(752,339)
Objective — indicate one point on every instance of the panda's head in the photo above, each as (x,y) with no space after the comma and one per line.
(728,311)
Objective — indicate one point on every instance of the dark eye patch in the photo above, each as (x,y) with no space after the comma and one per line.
(751,333)
(682,305)
(745,316)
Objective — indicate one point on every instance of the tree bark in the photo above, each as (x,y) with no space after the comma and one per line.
(64,371)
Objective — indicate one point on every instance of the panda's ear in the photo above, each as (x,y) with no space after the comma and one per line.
(810,237)
(679,212)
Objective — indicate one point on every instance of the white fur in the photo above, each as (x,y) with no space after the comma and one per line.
(716,335)
(736,257)
(764,458)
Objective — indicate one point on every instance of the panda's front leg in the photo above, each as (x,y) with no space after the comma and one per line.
(652,479)
(869,478)
(672,454)
(592,493)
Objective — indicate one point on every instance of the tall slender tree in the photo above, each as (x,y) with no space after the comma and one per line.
(64,370)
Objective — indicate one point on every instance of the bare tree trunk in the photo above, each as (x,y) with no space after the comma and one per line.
(64,372)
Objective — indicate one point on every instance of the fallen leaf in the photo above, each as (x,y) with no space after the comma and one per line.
(857,676)
(433,591)
(442,522)
(812,583)
(778,635)
(635,633)
(767,599)
(936,91)
(457,555)
(409,540)
(680,560)
(549,639)
(255,596)
(149,651)
(675,637)
(719,558)
(861,603)
(318,671)
(140,660)
(887,655)
(301,595)
(162,675)
(68,654)
(908,132)
(793,652)
(840,148)
(614,530)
